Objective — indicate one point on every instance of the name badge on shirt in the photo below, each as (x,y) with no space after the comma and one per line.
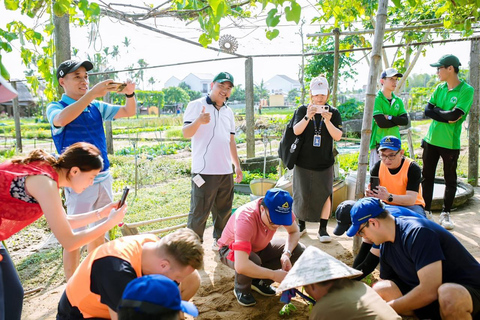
(317,140)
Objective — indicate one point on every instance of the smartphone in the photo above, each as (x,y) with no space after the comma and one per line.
(120,86)
(124,197)
(374,183)
(321,109)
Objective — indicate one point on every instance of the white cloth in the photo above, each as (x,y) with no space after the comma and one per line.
(211,142)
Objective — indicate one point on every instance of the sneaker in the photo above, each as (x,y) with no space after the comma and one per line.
(245,299)
(429,215)
(215,245)
(263,288)
(324,237)
(445,221)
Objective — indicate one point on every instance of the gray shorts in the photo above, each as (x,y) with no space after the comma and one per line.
(96,196)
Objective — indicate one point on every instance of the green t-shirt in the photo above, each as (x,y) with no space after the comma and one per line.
(447,135)
(383,106)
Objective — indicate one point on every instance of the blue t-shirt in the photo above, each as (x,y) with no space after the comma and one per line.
(420,242)
(87,127)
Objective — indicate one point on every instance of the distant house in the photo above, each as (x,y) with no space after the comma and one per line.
(281,84)
(25,100)
(172,82)
(199,81)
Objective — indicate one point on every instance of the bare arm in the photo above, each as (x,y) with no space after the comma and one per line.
(292,241)
(45,191)
(382,193)
(113,314)
(189,130)
(301,125)
(334,131)
(245,266)
(422,295)
(236,162)
(130,107)
(71,112)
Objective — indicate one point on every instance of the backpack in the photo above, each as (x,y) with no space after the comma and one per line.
(290,145)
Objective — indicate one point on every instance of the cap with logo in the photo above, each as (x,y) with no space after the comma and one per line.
(363,210)
(391,72)
(7,92)
(447,61)
(390,142)
(342,214)
(155,294)
(319,85)
(279,205)
(69,66)
(223,77)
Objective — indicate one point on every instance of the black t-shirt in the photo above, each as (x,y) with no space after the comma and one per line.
(109,277)
(317,158)
(414,174)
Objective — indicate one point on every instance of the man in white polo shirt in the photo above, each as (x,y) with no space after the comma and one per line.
(211,125)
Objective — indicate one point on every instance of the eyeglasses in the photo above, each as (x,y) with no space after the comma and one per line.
(388,156)
(360,231)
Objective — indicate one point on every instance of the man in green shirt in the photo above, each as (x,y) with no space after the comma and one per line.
(448,107)
(388,113)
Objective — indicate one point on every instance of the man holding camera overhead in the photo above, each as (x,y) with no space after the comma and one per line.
(399,177)
(78,117)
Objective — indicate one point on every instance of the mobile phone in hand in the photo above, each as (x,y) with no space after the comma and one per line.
(120,86)
(374,183)
(124,197)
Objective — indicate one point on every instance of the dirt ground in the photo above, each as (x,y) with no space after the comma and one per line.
(215,299)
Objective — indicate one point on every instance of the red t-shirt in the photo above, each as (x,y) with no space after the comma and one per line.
(246,225)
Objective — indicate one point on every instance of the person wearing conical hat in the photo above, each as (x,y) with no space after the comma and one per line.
(327,281)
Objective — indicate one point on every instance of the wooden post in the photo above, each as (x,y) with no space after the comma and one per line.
(336,63)
(249,110)
(16,117)
(376,60)
(62,41)
(474,114)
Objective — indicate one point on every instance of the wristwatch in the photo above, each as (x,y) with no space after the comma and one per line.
(389,117)
(130,95)
(390,198)
(306,118)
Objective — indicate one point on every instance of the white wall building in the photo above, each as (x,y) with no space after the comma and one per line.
(281,84)
(172,82)
(199,81)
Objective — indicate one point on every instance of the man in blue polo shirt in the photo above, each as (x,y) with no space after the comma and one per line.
(79,117)
(424,269)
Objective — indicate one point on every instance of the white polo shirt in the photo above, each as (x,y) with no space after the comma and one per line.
(211,142)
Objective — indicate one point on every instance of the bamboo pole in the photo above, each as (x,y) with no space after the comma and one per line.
(474,114)
(375,66)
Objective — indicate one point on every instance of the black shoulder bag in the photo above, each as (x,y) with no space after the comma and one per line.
(290,145)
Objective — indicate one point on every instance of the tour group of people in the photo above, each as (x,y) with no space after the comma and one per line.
(425,271)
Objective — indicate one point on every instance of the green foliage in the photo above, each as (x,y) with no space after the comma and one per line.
(148,98)
(292,96)
(419,97)
(174,95)
(260,92)
(248,176)
(351,109)
(348,162)
(194,95)
(156,150)
(238,93)
(287,309)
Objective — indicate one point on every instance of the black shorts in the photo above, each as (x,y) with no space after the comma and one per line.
(432,311)
(68,312)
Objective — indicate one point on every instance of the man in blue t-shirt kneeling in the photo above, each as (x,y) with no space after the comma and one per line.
(424,269)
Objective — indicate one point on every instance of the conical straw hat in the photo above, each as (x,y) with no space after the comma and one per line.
(314,266)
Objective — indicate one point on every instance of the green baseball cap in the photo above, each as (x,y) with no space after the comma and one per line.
(222,77)
(447,61)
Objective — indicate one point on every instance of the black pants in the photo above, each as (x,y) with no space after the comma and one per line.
(11,290)
(268,258)
(431,155)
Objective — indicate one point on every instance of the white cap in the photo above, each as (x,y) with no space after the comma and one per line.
(319,85)
(7,92)
(315,265)
(391,72)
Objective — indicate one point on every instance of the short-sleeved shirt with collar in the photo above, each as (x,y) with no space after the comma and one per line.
(383,106)
(211,142)
(447,135)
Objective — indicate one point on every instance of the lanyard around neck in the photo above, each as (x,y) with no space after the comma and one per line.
(318,130)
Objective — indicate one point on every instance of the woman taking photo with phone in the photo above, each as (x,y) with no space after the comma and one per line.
(320,124)
(29,188)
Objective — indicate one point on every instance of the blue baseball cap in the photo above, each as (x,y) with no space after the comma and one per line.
(279,204)
(363,210)
(390,142)
(155,294)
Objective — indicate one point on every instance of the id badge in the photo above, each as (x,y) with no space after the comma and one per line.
(317,140)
